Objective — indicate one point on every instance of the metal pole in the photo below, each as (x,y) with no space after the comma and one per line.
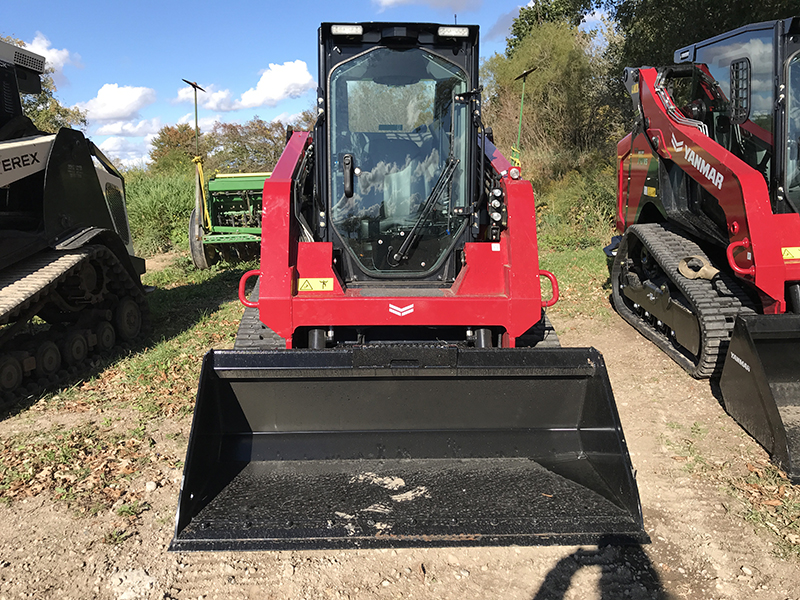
(524,78)
(196,126)
(521,104)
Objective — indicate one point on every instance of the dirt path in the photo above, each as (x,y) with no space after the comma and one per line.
(682,444)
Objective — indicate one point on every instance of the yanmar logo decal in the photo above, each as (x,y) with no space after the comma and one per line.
(401,312)
(697,161)
(740,362)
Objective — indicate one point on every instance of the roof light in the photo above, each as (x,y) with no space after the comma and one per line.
(453,32)
(347,30)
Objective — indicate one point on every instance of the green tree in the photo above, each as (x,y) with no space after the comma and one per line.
(250,147)
(253,146)
(653,29)
(564,120)
(539,12)
(173,148)
(47,112)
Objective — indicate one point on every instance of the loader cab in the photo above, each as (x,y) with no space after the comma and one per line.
(793,126)
(753,69)
(399,138)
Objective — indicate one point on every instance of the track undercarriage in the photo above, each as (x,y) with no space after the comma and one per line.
(60,311)
(691,320)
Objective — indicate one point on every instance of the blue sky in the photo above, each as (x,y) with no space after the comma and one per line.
(123,63)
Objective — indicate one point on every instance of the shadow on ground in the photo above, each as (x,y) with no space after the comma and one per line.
(625,572)
(173,310)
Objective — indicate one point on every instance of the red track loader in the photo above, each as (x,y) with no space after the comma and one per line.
(709,195)
(379,393)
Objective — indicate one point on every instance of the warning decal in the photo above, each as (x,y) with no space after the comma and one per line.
(790,254)
(324,284)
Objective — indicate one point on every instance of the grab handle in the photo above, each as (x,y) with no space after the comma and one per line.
(554,298)
(745,243)
(242,297)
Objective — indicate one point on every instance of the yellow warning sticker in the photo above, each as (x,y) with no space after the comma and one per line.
(790,253)
(635,88)
(324,284)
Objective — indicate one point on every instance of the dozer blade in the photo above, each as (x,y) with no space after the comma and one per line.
(398,445)
(760,384)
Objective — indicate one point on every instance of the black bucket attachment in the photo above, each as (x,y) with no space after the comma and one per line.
(394,446)
(760,384)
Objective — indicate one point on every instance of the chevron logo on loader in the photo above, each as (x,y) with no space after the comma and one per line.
(401,312)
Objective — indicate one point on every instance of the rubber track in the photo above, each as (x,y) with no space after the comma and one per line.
(31,281)
(252,333)
(20,286)
(715,303)
(541,335)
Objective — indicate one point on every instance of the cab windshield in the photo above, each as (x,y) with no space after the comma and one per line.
(793,131)
(398,133)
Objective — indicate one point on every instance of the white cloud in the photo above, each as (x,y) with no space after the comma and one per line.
(456,5)
(277,83)
(285,117)
(128,152)
(219,100)
(210,98)
(118,103)
(186,94)
(131,129)
(54,58)
(502,26)
(206,124)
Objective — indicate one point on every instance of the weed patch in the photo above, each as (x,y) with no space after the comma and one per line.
(86,467)
(771,501)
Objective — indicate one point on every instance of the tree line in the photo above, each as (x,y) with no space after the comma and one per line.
(575,105)
(254,146)
(576,109)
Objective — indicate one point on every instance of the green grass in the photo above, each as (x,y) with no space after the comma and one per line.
(159,206)
(133,509)
(191,310)
(583,280)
